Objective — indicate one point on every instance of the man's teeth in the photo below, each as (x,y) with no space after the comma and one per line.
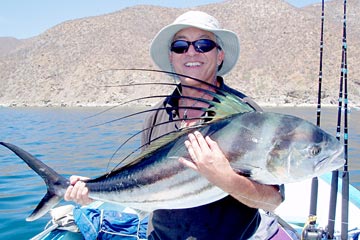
(192,64)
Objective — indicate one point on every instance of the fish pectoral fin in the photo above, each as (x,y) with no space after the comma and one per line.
(258,175)
(252,172)
(244,172)
(47,202)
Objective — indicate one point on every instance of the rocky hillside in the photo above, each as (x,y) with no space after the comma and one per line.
(73,63)
(8,44)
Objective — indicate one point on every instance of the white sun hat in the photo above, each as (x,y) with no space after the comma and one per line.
(228,40)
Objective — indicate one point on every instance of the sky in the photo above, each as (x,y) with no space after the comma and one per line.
(24,19)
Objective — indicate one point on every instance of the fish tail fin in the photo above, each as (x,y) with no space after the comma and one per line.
(56,184)
(47,202)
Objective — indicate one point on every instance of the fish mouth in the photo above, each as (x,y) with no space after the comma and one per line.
(334,162)
(320,163)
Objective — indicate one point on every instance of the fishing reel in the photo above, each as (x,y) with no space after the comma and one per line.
(310,231)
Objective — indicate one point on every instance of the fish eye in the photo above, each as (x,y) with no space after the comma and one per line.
(315,150)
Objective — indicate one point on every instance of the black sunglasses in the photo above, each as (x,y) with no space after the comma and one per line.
(201,46)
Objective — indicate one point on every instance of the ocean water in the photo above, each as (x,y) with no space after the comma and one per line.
(72,143)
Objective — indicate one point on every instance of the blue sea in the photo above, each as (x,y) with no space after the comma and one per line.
(77,141)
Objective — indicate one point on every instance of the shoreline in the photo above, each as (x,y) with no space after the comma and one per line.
(63,105)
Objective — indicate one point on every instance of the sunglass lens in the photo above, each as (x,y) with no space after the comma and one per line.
(180,46)
(204,45)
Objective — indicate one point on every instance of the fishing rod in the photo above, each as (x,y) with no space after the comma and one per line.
(310,230)
(343,99)
(345,174)
(314,183)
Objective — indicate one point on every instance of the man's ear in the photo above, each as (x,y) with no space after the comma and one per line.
(220,58)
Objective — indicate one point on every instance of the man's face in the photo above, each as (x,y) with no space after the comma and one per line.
(196,64)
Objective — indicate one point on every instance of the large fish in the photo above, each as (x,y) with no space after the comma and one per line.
(267,147)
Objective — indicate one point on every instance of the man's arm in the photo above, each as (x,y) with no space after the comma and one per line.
(209,161)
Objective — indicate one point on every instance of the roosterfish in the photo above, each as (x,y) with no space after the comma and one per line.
(269,148)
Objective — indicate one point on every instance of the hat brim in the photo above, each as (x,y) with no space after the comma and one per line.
(160,46)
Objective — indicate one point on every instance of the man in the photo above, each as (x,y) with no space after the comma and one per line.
(194,45)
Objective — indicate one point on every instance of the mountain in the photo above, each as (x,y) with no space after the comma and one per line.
(8,44)
(75,62)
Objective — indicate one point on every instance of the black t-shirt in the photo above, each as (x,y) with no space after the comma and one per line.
(224,219)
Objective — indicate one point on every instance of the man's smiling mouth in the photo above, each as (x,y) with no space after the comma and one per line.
(193,64)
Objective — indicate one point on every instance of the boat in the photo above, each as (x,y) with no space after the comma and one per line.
(295,209)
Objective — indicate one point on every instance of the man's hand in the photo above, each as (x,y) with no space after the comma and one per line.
(77,191)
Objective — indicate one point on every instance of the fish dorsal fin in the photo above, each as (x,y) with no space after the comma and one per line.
(229,104)
(225,104)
